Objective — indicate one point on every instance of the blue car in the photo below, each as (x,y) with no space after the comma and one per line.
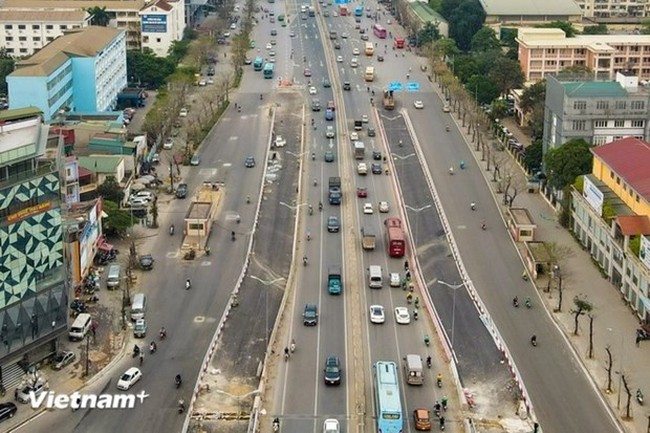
(329,114)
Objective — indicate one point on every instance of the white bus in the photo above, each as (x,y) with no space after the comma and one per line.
(370,73)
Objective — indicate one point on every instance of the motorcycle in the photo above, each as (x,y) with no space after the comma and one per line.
(171,230)
(162,334)
(483,226)
(428,361)
(529,304)
(152,347)
(136,351)
(276,425)
(451,170)
(442,423)
(427,340)
(188,285)
(515,302)
(311,210)
(178,381)
(292,347)
(232,236)
(472,206)
(462,165)
(239,109)
(439,381)
(304,261)
(533,341)
(181,406)
(639,396)
(415,315)
(313,156)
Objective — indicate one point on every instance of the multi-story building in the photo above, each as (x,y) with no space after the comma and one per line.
(27,31)
(548,51)
(163,22)
(596,111)
(34,301)
(83,71)
(521,13)
(124,13)
(613,8)
(611,218)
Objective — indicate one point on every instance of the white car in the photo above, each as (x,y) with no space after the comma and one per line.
(402,315)
(168,144)
(183,112)
(292,34)
(129,378)
(279,141)
(138,201)
(355,51)
(210,81)
(446,108)
(331,426)
(271,53)
(364,118)
(383,207)
(233,26)
(202,83)
(354,136)
(339,59)
(335,14)
(313,90)
(362,168)
(269,46)
(330,132)
(377,314)
(395,280)
(344,35)
(147,195)
(367,209)
(418,104)
(354,62)
(226,34)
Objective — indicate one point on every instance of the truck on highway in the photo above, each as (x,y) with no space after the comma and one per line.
(358,125)
(334,280)
(367,239)
(334,191)
(359,150)
(389,101)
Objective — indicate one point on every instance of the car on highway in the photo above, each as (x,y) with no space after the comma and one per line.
(376,155)
(7,411)
(271,54)
(364,37)
(312,90)
(371,131)
(331,425)
(169,142)
(146,262)
(326,83)
(196,159)
(339,59)
(129,378)
(377,314)
(63,358)
(329,156)
(307,72)
(380,58)
(362,31)
(422,419)
(330,132)
(279,141)
(274,32)
(383,207)
(344,35)
(355,51)
(362,192)
(332,370)
(329,114)
(367,209)
(354,62)
(335,14)
(326,13)
(273,42)
(310,315)
(354,136)
(362,169)
(395,280)
(249,162)
(337,46)
(446,108)
(333,225)
(140,328)
(402,315)
(347,85)
(292,34)
(375,168)
(364,118)
(418,104)
(181,190)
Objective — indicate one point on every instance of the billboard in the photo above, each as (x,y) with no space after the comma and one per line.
(644,251)
(593,195)
(154,23)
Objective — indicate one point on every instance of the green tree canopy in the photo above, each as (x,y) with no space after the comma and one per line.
(565,163)
(7,66)
(506,73)
(533,155)
(445,48)
(110,190)
(464,22)
(99,16)
(465,66)
(146,68)
(600,29)
(118,220)
(428,33)
(532,103)
(483,88)
(567,27)
(485,40)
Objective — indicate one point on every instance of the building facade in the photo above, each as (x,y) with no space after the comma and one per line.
(162,23)
(614,8)
(124,13)
(34,301)
(82,71)
(27,31)
(596,111)
(549,51)
(611,218)
(522,13)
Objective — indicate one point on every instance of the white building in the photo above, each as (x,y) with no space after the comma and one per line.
(162,22)
(26,31)
(614,8)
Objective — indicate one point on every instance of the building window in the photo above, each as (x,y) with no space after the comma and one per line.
(620,105)
(550,51)
(602,105)
(8,27)
(158,40)
(638,123)
(611,174)
(579,105)
(619,123)
(36,27)
(579,125)
(145,39)
(600,123)
(50,38)
(23,50)
(638,105)
(599,140)
(63,27)
(10,50)
(618,180)
(22,38)
(49,27)
(638,199)
(9,38)
(36,38)
(21,26)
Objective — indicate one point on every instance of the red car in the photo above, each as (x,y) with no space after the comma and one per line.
(330,105)
(307,72)
(362,192)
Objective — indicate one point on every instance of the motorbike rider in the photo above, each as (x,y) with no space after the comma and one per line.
(152,346)
(308,236)
(136,350)
(286,352)
(311,209)
(483,225)
(320,205)
(439,379)
(232,235)
(276,424)
(293,345)
(181,405)
(451,170)
(261,96)
(171,229)
(515,301)
(188,284)
(429,361)
(472,205)
(528,302)
(178,379)
(415,314)
(163,332)
(409,297)
(304,260)
(533,340)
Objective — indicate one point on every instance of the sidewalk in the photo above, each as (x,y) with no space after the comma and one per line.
(614,323)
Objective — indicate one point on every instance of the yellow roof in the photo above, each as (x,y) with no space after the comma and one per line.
(110,5)
(17,16)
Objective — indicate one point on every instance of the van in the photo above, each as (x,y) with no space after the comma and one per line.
(138,306)
(413,370)
(374,277)
(80,327)
(113,278)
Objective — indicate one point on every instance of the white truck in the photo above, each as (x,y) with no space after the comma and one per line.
(359,150)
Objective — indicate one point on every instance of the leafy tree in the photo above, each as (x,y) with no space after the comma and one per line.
(581,307)
(464,22)
(7,66)
(600,29)
(118,220)
(645,27)
(567,27)
(483,88)
(499,109)
(447,7)
(428,33)
(110,190)
(485,60)
(465,67)
(445,48)
(578,70)
(506,73)
(533,155)
(565,163)
(99,16)
(532,103)
(145,67)
(485,40)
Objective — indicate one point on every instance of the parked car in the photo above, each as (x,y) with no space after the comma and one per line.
(168,144)
(140,328)
(147,195)
(181,190)
(24,393)
(129,378)
(7,411)
(146,262)
(62,359)
(196,159)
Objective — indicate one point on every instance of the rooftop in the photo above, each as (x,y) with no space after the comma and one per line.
(85,42)
(110,5)
(632,225)
(425,13)
(543,37)
(629,158)
(100,163)
(162,4)
(530,7)
(18,16)
(592,89)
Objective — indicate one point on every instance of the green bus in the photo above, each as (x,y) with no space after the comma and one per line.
(258,64)
(268,70)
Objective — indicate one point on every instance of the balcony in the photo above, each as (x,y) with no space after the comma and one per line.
(42,169)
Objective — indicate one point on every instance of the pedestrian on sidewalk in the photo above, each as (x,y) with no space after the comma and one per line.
(638,339)
(16,394)
(141,357)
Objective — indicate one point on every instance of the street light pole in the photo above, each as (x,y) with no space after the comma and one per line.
(454,287)
(417,219)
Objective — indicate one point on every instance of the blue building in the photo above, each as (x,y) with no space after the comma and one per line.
(83,70)
(33,294)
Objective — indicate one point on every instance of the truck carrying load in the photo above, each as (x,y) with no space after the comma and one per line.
(359,150)
(334,280)
(367,239)
(389,101)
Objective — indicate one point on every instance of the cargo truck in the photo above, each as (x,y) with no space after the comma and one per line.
(367,239)
(389,101)
(334,191)
(334,281)
(358,125)
(359,150)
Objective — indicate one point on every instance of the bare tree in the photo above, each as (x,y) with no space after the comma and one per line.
(628,396)
(582,307)
(609,366)
(591,336)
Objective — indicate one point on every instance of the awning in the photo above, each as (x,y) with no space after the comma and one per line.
(105,246)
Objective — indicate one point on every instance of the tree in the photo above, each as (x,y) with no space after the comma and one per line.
(533,156)
(146,68)
(532,103)
(609,367)
(7,66)
(582,307)
(645,27)
(428,33)
(600,29)
(482,88)
(464,22)
(499,108)
(506,73)
(117,221)
(99,16)
(566,26)
(445,48)
(485,40)
(110,190)
(565,163)
(465,66)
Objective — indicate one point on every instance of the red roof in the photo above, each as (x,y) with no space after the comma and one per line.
(632,225)
(162,4)
(629,158)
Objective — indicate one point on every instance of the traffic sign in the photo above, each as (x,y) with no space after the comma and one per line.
(395,86)
(412,87)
